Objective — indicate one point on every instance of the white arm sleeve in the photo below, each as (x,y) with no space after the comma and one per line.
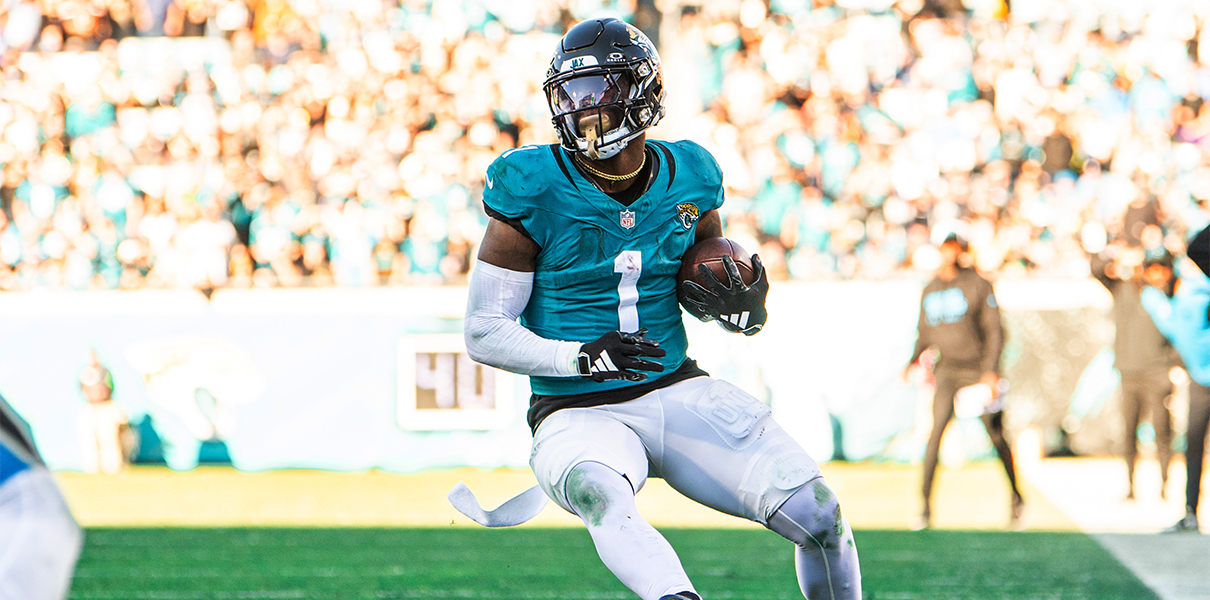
(493,335)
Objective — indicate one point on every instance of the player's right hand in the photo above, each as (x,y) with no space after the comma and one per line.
(615,355)
(737,306)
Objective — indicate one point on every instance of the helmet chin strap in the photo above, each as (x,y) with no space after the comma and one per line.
(594,126)
(590,134)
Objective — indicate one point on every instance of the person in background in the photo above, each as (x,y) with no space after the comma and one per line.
(104,420)
(1142,355)
(39,539)
(960,317)
(1181,310)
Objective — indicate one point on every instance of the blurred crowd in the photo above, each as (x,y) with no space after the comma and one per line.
(854,140)
(210,143)
(270,143)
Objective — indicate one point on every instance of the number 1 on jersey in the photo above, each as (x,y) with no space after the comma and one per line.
(630,264)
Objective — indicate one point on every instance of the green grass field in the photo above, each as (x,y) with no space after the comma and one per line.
(218,533)
(538,562)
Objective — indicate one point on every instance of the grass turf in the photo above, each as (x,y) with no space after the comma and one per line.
(531,563)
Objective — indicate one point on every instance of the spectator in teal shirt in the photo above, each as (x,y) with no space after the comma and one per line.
(89,115)
(1181,311)
(776,196)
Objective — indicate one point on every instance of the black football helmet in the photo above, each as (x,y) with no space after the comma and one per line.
(604,87)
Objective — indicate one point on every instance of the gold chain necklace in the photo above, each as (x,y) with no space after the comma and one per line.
(609,177)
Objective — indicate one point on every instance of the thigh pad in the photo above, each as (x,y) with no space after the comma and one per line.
(722,448)
(576,435)
(730,412)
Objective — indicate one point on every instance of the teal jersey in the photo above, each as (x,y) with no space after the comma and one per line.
(604,266)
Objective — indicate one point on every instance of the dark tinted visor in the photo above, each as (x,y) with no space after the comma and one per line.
(588,91)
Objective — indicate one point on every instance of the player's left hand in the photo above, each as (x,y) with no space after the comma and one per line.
(738,307)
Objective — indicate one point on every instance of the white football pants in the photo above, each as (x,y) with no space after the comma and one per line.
(716,445)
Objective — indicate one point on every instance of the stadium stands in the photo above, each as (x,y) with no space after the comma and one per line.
(292,143)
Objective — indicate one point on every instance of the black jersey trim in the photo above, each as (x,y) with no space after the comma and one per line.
(671,162)
(510,221)
(557,150)
(630,195)
(541,407)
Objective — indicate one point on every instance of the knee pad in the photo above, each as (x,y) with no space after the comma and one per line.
(810,517)
(594,489)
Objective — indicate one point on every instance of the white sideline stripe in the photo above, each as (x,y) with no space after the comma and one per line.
(1089,491)
(1173,565)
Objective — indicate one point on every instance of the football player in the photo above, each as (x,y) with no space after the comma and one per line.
(583,247)
(39,540)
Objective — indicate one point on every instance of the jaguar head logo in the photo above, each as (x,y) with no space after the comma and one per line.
(688,214)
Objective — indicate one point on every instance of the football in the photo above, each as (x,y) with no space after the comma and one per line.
(710,252)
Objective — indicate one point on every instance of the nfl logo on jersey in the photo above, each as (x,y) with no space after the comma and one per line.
(627,219)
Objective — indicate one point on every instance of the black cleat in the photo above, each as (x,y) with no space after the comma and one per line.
(682,596)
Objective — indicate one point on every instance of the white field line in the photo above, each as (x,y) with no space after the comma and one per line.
(1174,566)
(1091,494)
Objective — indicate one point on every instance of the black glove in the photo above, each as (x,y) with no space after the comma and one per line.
(612,356)
(737,307)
